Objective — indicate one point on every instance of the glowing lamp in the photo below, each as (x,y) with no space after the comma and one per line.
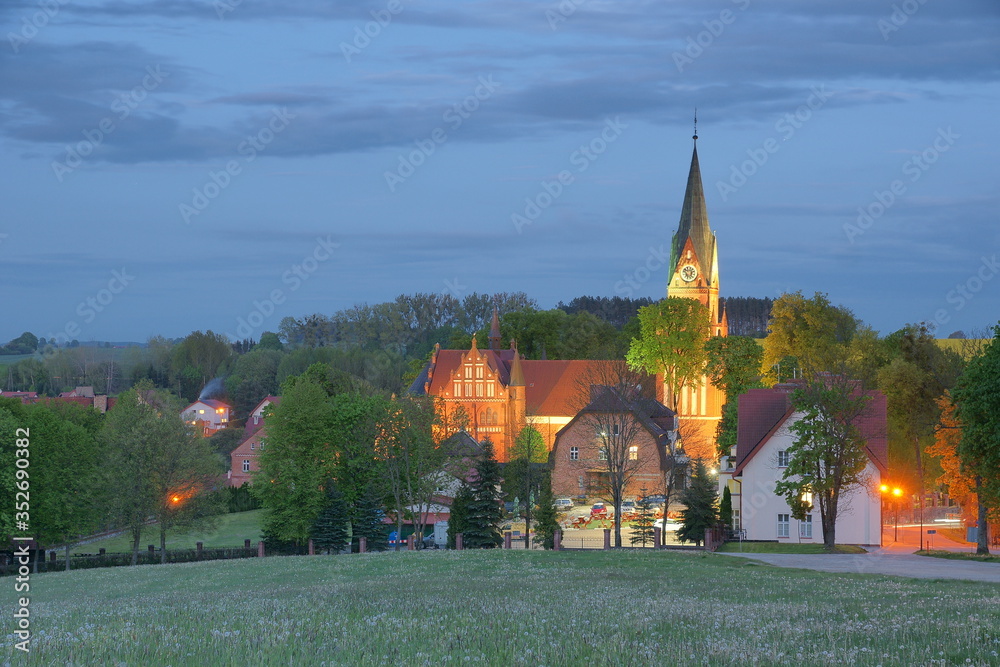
(897,492)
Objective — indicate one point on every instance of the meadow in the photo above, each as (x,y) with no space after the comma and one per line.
(503,608)
(230,531)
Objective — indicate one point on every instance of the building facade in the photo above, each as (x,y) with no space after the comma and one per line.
(694,274)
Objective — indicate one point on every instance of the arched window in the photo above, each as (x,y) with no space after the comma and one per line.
(490,418)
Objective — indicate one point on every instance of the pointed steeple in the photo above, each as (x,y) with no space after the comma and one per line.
(516,374)
(495,330)
(694,221)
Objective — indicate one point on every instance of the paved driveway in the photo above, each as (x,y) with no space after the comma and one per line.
(884,562)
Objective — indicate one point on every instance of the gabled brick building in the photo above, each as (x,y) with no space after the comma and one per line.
(243,460)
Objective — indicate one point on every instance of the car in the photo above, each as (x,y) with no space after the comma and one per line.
(598,508)
(668,527)
(563,504)
(657,499)
(628,506)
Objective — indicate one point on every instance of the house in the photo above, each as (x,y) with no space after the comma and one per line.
(761,456)
(83,396)
(243,460)
(500,392)
(209,414)
(644,427)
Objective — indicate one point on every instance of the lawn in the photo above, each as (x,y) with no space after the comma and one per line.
(231,531)
(785,548)
(955,555)
(503,608)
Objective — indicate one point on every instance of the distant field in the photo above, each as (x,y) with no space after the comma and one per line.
(232,530)
(502,608)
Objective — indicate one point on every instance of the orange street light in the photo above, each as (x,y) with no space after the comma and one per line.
(176,499)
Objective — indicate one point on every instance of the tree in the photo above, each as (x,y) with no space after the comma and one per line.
(813,331)
(270,341)
(458,519)
(367,522)
(977,397)
(673,333)
(482,524)
(734,366)
(196,360)
(253,377)
(726,507)
(522,477)
(615,406)
(330,530)
(827,458)
(546,519)
(642,527)
(947,438)
(414,463)
(700,512)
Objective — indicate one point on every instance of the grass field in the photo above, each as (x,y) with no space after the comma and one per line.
(231,531)
(783,548)
(503,608)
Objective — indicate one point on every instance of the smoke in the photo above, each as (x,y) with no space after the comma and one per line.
(213,388)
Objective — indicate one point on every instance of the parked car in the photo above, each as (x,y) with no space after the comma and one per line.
(598,508)
(668,527)
(564,504)
(657,499)
(628,506)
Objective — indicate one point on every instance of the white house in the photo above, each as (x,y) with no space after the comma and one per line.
(761,456)
(212,414)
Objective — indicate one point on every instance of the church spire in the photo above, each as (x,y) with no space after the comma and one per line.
(516,374)
(495,330)
(694,219)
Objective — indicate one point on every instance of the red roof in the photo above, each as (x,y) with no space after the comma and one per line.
(763,411)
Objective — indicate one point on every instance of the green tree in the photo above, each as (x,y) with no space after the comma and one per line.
(458,519)
(196,360)
(485,512)
(330,530)
(813,331)
(367,522)
(642,526)
(734,366)
(700,512)
(522,477)
(270,341)
(977,399)
(546,516)
(673,333)
(827,458)
(253,377)
(726,507)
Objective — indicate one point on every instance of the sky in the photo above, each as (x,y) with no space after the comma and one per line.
(174,165)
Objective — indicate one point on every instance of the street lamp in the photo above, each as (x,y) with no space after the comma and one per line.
(897,492)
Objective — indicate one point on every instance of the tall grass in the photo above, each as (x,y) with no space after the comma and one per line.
(505,608)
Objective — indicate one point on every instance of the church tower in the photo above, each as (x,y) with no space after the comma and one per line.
(694,274)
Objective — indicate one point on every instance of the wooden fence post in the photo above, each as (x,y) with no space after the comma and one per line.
(458,542)
(657,537)
(557,540)
(607,539)
(362,545)
(312,549)
(260,549)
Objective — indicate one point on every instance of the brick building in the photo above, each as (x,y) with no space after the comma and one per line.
(639,435)
(243,459)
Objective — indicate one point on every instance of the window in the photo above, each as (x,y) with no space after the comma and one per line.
(783,524)
(602,454)
(468,389)
(479,372)
(736,519)
(468,372)
(246,465)
(491,390)
(201,412)
(490,417)
(806,527)
(251,447)
(574,453)
(782,458)
(479,390)
(616,429)
(458,389)
(633,453)
(261,448)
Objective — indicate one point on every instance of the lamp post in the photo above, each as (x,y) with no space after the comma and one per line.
(897,492)
(884,489)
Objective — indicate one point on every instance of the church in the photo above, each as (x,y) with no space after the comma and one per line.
(499,392)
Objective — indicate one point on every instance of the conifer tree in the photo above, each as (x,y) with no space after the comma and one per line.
(458,520)
(700,512)
(330,530)
(642,527)
(368,515)
(546,523)
(726,507)
(482,529)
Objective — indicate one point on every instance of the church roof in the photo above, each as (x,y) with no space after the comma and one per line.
(694,221)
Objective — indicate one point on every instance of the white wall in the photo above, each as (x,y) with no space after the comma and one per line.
(859,520)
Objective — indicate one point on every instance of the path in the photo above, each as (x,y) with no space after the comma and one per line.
(898,561)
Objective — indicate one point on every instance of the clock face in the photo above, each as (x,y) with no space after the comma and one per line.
(689,273)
